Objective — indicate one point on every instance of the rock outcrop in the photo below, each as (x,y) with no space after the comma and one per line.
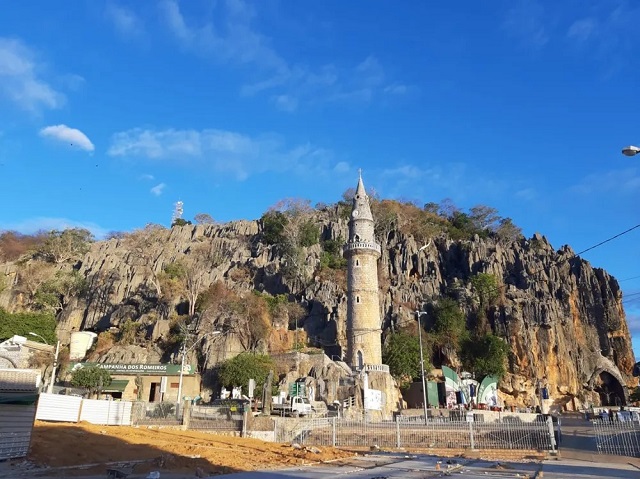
(564,320)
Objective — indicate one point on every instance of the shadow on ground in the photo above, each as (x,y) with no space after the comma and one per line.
(71,451)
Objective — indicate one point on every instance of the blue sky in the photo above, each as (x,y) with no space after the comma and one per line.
(111,111)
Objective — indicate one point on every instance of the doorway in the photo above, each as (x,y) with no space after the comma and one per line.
(154,392)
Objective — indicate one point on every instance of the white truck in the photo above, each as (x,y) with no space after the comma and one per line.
(293,406)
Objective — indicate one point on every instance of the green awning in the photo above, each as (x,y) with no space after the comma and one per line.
(116,386)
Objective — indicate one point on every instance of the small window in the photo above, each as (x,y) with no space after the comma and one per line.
(357,262)
(357,299)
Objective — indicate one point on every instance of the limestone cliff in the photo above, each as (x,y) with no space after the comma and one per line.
(563,319)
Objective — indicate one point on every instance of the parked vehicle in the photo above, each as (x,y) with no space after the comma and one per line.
(293,406)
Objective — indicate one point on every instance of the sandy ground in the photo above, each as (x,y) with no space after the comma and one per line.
(60,445)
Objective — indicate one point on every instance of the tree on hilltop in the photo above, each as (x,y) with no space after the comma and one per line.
(62,246)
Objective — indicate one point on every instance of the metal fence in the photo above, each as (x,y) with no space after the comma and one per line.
(215,418)
(618,437)
(450,434)
(203,418)
(156,414)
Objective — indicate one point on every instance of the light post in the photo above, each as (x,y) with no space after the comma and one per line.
(55,361)
(630,150)
(183,352)
(424,387)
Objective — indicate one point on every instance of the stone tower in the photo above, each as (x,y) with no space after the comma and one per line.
(363,308)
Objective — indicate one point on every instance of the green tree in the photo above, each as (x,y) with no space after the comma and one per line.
(485,286)
(635,395)
(331,256)
(273,224)
(92,378)
(62,246)
(180,222)
(309,234)
(238,370)
(449,324)
(401,353)
(53,295)
(43,324)
(485,355)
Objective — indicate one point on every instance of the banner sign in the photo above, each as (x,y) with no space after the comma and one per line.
(142,369)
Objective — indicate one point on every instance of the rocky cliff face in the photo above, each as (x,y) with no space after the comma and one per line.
(563,319)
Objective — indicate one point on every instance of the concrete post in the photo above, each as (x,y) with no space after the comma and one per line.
(186,415)
(333,431)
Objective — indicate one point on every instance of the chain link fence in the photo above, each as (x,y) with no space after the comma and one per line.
(445,434)
(196,417)
(617,437)
(155,414)
(216,418)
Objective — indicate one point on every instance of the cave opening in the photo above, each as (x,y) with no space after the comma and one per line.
(610,390)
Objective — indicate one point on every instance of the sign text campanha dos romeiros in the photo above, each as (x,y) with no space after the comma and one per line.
(126,369)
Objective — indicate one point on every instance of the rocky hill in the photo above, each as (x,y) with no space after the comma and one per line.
(279,282)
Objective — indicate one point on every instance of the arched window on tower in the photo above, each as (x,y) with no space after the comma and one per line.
(360,360)
(357,262)
(358,299)
(356,238)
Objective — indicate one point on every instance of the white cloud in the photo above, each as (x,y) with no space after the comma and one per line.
(288,84)
(41,223)
(527,194)
(609,34)
(583,29)
(341,167)
(225,151)
(622,181)
(68,135)
(158,189)
(20,79)
(396,89)
(525,21)
(147,177)
(286,103)
(125,21)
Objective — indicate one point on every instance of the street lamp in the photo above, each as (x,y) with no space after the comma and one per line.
(424,387)
(55,361)
(630,150)
(183,351)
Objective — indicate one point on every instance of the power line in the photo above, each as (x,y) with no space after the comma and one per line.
(628,279)
(608,239)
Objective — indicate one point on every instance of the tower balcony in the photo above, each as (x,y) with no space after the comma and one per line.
(362,245)
(372,368)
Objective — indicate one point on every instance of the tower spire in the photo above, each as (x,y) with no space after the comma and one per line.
(363,307)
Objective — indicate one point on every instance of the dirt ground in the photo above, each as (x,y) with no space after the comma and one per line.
(61,445)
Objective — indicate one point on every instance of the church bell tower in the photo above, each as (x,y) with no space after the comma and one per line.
(364,333)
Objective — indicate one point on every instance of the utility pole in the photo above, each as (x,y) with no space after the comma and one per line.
(424,386)
(53,369)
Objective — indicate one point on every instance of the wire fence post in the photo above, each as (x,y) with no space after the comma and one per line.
(471,438)
(333,432)
(397,433)
(245,420)
(552,437)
